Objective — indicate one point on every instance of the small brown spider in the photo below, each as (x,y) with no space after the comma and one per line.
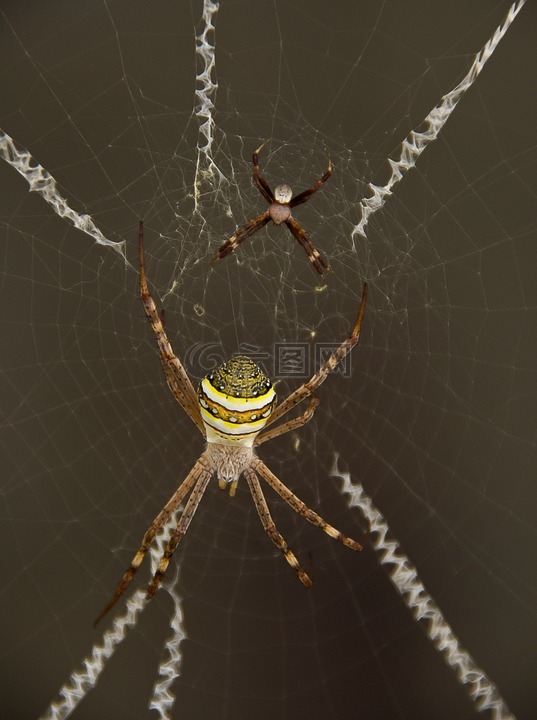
(280,204)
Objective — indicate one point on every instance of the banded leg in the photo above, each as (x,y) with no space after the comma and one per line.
(241,235)
(302,509)
(290,424)
(270,527)
(176,375)
(180,530)
(309,387)
(304,195)
(260,183)
(161,519)
(301,235)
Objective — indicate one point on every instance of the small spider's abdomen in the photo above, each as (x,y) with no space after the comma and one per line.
(236,400)
(279,213)
(283,194)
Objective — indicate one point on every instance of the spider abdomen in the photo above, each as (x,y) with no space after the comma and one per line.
(236,401)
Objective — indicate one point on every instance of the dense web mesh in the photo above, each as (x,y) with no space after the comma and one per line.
(423,446)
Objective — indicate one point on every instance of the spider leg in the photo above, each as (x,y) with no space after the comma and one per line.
(176,375)
(309,387)
(290,424)
(180,531)
(302,509)
(306,194)
(302,236)
(270,527)
(241,235)
(163,516)
(260,183)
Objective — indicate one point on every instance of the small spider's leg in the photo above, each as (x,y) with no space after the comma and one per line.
(302,509)
(176,375)
(290,424)
(302,236)
(163,516)
(241,235)
(320,376)
(260,183)
(179,532)
(306,194)
(270,527)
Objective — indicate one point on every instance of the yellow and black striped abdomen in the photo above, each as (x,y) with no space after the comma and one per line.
(236,400)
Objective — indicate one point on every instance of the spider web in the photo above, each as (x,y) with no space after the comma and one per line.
(116,112)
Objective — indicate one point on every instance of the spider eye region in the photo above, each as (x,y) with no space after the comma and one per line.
(236,400)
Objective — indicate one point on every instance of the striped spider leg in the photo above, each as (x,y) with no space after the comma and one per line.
(281,201)
(233,405)
(309,387)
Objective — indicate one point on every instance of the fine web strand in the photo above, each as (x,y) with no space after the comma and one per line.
(404,576)
(416,142)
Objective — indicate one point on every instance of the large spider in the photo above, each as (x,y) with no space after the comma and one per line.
(280,204)
(233,404)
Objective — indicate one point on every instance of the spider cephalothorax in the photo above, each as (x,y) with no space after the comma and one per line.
(233,408)
(281,202)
